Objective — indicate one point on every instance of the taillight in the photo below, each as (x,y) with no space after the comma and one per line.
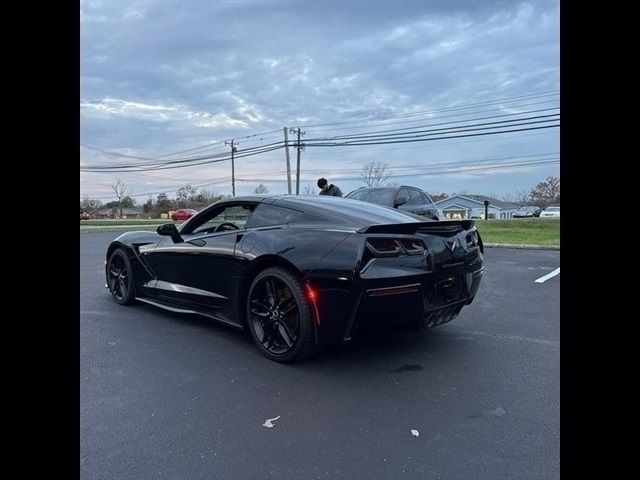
(391,247)
(413,247)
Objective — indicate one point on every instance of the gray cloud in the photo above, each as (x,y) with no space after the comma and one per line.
(163,76)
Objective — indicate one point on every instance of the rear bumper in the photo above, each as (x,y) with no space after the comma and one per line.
(411,303)
(427,303)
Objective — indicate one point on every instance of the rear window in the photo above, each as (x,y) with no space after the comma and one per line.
(267,215)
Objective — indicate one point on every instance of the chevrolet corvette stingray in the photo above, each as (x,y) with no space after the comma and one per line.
(301,272)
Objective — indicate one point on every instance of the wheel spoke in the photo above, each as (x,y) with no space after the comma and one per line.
(286,334)
(260,314)
(113,281)
(260,305)
(272,336)
(271,291)
(266,332)
(287,309)
(121,288)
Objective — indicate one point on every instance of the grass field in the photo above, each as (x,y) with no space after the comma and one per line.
(519,231)
(118,222)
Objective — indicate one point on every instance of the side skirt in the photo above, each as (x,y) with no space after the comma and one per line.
(183,310)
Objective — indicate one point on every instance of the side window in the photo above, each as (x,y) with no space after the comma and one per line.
(403,192)
(267,215)
(235,214)
(427,199)
(415,198)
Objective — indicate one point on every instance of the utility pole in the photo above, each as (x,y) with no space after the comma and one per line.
(286,152)
(233,169)
(299,147)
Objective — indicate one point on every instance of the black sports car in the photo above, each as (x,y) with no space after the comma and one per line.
(301,272)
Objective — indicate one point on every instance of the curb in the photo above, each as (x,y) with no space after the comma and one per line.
(522,246)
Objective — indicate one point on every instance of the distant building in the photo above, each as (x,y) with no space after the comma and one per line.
(115,213)
(472,206)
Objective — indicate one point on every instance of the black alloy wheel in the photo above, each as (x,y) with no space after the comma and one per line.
(120,277)
(279,316)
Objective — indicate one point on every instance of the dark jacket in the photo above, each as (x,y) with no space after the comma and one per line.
(333,190)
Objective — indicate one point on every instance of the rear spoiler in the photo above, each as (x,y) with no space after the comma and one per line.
(444,227)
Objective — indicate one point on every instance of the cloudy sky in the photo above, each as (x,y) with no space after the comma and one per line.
(166,80)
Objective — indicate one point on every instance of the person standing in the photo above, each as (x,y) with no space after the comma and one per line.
(328,189)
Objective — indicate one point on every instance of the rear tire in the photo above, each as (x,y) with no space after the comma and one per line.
(279,316)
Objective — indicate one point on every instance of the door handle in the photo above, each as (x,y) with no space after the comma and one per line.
(197,242)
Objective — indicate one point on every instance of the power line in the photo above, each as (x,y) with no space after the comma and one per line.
(444,109)
(334,144)
(443,172)
(220,143)
(375,138)
(436,117)
(381,134)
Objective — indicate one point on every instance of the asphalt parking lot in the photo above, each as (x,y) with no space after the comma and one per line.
(167,396)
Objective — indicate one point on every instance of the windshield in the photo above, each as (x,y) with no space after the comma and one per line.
(380,196)
(527,209)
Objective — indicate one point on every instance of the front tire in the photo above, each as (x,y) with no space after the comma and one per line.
(120,277)
(279,316)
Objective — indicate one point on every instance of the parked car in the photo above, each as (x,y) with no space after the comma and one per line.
(408,199)
(84,216)
(301,272)
(183,214)
(552,211)
(527,212)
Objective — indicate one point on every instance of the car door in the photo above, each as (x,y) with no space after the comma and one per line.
(428,207)
(417,203)
(197,271)
(403,193)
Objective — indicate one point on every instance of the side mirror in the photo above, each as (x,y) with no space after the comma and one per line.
(400,201)
(170,230)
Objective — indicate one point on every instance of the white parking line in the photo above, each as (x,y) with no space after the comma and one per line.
(548,276)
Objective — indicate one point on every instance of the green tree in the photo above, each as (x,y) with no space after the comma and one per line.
(148,206)
(163,204)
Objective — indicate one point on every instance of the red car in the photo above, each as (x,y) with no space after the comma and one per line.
(183,214)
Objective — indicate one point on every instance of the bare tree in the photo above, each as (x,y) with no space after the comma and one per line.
(375,173)
(121,192)
(185,196)
(90,205)
(546,192)
(309,190)
(393,184)
(436,197)
(522,197)
(261,189)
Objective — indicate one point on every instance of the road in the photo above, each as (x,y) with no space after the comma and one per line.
(167,396)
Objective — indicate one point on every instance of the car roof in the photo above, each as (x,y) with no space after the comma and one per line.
(339,211)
